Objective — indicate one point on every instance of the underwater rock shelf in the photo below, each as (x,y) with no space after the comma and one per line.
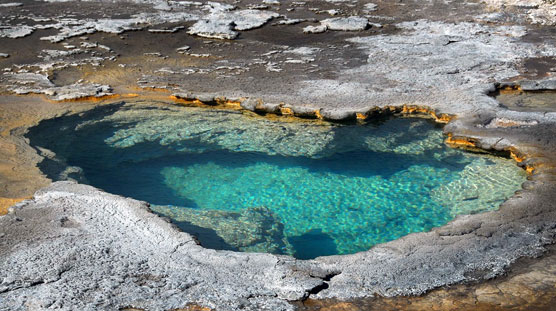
(248,183)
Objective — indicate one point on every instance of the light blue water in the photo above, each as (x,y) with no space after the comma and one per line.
(250,184)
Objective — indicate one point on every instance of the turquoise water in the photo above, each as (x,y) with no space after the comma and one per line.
(251,184)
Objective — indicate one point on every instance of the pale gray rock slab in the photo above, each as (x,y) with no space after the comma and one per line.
(332,12)
(352,23)
(213,24)
(49,55)
(304,50)
(250,19)
(72,28)
(14,32)
(370,7)
(35,83)
(291,21)
(217,7)
(10,4)
(4,55)
(538,11)
(222,23)
(23,83)
(215,29)
(250,104)
(538,85)
(315,29)
(77,91)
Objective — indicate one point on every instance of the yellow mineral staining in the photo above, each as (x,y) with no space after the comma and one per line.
(515,155)
(443,118)
(361,116)
(187,102)
(518,157)
(220,102)
(405,110)
(461,142)
(414,109)
(6,203)
(232,104)
(512,90)
(471,144)
(318,115)
(286,111)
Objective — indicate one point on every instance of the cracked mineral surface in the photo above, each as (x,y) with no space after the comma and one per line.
(486,68)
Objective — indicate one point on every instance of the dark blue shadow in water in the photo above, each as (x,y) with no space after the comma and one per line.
(313,244)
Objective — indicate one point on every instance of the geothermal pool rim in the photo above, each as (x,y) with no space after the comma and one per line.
(480,246)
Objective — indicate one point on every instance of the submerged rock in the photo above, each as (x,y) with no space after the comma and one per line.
(255,229)
(483,185)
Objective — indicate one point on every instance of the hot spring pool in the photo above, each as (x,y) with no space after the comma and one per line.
(248,183)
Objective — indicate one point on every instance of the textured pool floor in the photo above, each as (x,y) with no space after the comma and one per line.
(252,184)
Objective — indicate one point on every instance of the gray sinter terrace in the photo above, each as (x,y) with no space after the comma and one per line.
(72,246)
